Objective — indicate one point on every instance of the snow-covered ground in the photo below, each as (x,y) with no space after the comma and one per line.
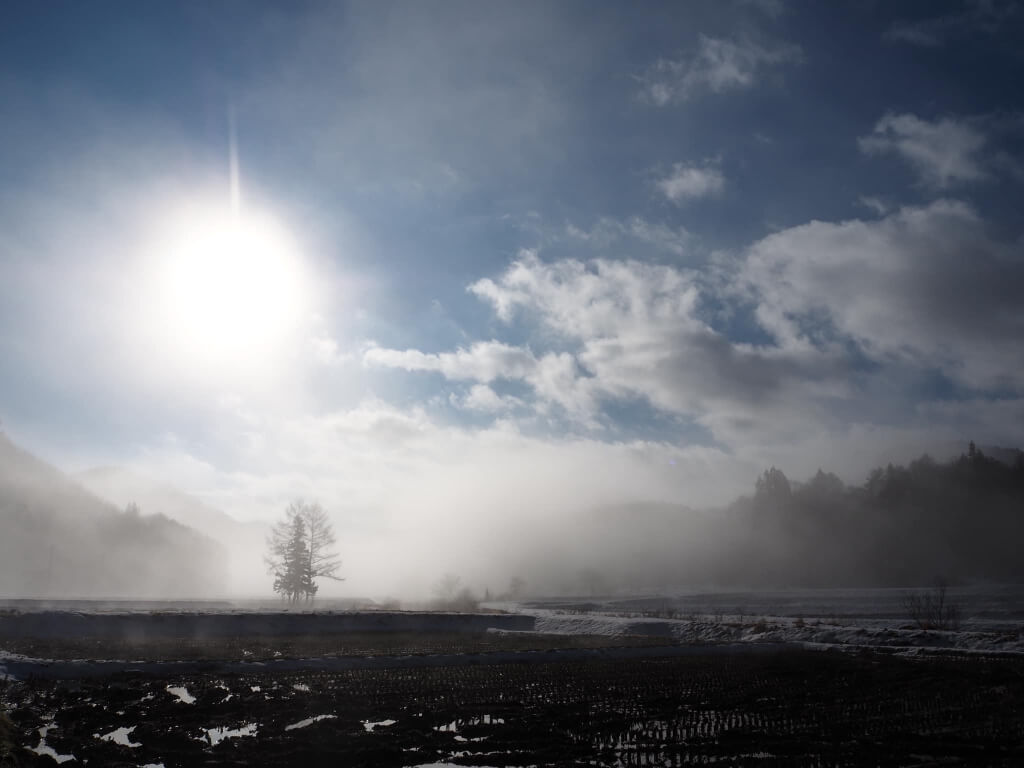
(704,630)
(989,618)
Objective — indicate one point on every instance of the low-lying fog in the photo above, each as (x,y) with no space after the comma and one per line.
(521,528)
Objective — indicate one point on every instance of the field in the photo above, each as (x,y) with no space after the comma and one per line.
(786,708)
(795,679)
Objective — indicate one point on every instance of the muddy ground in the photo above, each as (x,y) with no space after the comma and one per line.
(792,708)
(269,647)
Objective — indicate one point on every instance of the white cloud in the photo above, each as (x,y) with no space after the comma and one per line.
(942,152)
(637,333)
(717,66)
(688,182)
(925,286)
(483,361)
(482,398)
(552,376)
(897,289)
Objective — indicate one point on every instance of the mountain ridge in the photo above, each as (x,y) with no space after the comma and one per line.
(61,540)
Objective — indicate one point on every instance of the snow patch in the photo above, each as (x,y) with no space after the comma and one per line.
(121,736)
(42,748)
(369,726)
(217,735)
(182,693)
(309,721)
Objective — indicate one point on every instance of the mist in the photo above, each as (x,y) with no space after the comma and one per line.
(501,538)
(60,541)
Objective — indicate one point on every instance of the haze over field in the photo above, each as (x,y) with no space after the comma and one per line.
(510,289)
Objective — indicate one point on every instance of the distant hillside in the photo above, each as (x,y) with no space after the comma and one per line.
(243,542)
(960,520)
(59,540)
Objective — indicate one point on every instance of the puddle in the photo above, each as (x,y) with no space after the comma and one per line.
(309,721)
(182,693)
(45,749)
(121,736)
(217,735)
(381,723)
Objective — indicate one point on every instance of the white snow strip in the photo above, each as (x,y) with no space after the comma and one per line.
(121,736)
(381,723)
(707,630)
(309,721)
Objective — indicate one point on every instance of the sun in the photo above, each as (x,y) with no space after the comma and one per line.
(229,285)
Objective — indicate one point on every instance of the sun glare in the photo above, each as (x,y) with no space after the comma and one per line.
(229,286)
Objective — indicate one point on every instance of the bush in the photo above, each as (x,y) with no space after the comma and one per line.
(933,609)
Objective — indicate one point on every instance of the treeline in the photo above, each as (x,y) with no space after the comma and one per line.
(961,521)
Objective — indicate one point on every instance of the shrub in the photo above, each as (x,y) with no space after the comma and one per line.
(932,609)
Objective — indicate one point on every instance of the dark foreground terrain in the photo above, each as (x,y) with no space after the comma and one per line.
(802,708)
(273,647)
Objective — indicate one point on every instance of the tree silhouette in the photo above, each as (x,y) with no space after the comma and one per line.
(772,489)
(300,551)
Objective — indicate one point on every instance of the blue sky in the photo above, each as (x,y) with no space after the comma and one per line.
(566,253)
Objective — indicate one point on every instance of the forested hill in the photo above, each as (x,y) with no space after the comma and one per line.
(58,540)
(961,520)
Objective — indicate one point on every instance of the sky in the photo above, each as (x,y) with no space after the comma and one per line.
(448,266)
